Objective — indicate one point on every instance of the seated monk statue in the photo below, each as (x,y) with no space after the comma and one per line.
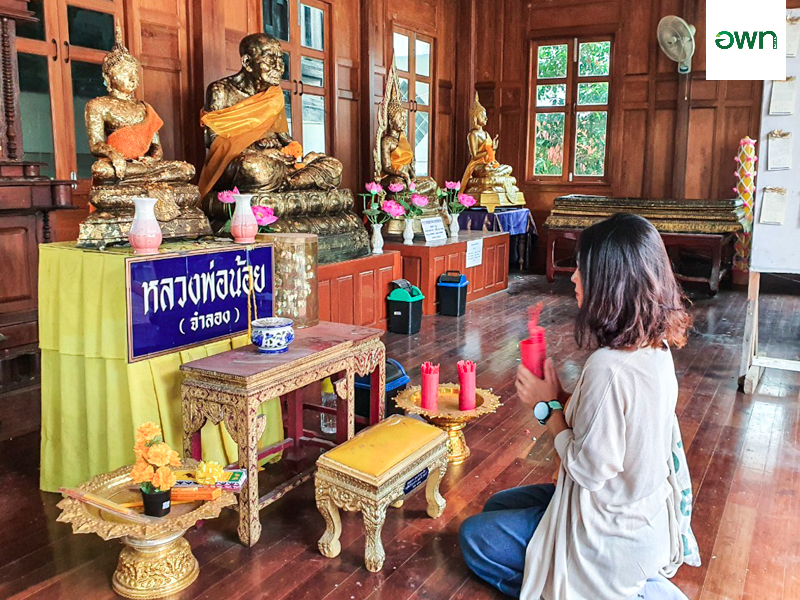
(123,134)
(484,173)
(123,131)
(396,156)
(247,131)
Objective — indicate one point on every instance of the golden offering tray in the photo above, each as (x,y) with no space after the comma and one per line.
(448,417)
(157,561)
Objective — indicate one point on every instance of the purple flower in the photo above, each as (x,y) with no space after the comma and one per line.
(412,186)
(226,197)
(393,209)
(452,185)
(419,201)
(374,188)
(466,200)
(396,187)
(264,215)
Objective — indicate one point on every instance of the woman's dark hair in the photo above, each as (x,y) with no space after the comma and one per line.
(630,296)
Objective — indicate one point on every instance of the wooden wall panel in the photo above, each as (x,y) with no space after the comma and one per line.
(19,249)
(645,97)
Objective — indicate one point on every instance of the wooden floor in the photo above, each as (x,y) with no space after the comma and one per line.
(744,454)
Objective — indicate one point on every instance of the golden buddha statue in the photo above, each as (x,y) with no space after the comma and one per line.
(123,135)
(394,157)
(249,147)
(486,179)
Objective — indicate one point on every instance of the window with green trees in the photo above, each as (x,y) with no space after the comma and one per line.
(569,104)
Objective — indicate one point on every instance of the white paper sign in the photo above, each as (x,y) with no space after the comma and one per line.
(474,253)
(433,228)
(773,207)
(792,38)
(779,153)
(782,99)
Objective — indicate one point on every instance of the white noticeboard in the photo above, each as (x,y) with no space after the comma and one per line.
(433,228)
(474,253)
(776,247)
(776,229)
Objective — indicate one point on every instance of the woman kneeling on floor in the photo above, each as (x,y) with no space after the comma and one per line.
(614,522)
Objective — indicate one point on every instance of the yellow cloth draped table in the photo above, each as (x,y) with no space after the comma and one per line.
(92,398)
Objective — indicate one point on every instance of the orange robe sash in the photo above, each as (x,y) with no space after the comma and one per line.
(402,155)
(239,126)
(134,141)
(489,158)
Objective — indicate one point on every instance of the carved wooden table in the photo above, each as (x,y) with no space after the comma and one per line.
(229,388)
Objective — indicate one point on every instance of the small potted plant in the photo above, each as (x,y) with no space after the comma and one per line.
(152,470)
(373,201)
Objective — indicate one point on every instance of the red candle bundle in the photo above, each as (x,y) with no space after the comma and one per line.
(430,387)
(534,349)
(466,385)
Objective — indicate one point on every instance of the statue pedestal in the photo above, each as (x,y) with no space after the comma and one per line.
(491,200)
(177,211)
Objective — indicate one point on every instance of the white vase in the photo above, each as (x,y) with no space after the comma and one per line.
(377,238)
(454,226)
(408,232)
(244,226)
(145,234)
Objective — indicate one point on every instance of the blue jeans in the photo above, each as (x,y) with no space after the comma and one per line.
(494,542)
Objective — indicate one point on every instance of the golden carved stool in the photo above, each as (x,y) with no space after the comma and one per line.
(377,468)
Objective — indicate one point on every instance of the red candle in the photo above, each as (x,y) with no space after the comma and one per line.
(534,350)
(430,387)
(466,385)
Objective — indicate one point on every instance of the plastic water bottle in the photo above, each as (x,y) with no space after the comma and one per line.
(327,423)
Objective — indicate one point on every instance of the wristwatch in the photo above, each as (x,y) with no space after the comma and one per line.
(543,410)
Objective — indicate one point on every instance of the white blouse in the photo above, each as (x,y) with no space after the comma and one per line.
(607,528)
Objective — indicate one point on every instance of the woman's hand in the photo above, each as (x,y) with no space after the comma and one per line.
(531,389)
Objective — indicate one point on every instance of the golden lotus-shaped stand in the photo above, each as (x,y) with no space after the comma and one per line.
(157,561)
(448,417)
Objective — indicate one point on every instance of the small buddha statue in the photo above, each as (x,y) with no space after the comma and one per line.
(249,147)
(247,131)
(485,178)
(123,134)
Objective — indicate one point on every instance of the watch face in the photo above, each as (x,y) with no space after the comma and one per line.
(541,410)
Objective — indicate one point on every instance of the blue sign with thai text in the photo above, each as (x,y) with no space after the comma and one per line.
(183,300)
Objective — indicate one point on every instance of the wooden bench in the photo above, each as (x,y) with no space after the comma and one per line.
(718,245)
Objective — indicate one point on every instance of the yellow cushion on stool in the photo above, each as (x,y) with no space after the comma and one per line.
(376,450)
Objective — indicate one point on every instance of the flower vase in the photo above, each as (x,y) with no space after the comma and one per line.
(377,238)
(145,234)
(408,232)
(454,226)
(156,504)
(244,226)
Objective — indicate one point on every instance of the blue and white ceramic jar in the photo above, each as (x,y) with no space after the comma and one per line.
(272,335)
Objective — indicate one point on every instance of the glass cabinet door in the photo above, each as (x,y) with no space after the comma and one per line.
(38,54)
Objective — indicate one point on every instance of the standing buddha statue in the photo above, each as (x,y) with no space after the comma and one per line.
(249,147)
(123,134)
(485,178)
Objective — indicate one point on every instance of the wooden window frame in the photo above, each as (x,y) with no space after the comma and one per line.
(570,109)
(296,52)
(411,105)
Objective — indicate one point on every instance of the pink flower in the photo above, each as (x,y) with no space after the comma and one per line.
(373,187)
(412,186)
(452,185)
(393,209)
(226,197)
(466,200)
(419,201)
(396,187)
(264,215)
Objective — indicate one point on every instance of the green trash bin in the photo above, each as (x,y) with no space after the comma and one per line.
(405,307)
